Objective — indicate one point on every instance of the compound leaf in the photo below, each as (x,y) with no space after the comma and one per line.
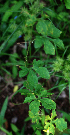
(48,103)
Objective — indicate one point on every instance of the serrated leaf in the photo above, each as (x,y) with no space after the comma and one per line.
(43,72)
(52,129)
(38,89)
(52,30)
(48,103)
(58,42)
(43,93)
(46,126)
(47,117)
(32,79)
(53,114)
(60,124)
(38,42)
(48,47)
(65,115)
(28,85)
(34,106)
(41,27)
(38,63)
(23,72)
(35,118)
(29,99)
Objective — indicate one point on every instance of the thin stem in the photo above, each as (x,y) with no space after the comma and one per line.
(4,130)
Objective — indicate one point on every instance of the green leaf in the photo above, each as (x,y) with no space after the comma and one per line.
(24,91)
(38,89)
(3,110)
(52,129)
(35,118)
(31,20)
(34,106)
(43,93)
(52,30)
(65,132)
(48,47)
(42,27)
(67,4)
(29,99)
(65,115)
(9,12)
(14,128)
(46,126)
(43,72)
(60,124)
(53,114)
(11,40)
(28,85)
(48,103)
(58,42)
(32,79)
(38,42)
(23,72)
(14,71)
(50,12)
(38,132)
(38,63)
(4,7)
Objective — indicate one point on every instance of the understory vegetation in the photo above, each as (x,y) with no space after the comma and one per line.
(35,61)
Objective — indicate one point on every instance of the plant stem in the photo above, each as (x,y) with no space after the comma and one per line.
(4,130)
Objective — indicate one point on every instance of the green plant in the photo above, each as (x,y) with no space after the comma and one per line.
(62,67)
(16,130)
(2,115)
(2,121)
(31,20)
(37,95)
